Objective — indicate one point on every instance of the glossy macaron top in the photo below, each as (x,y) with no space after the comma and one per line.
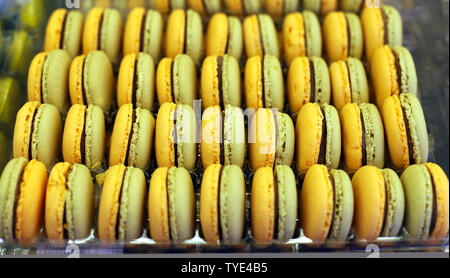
(243,7)
(260,36)
(321,7)
(224,36)
(205,7)
(165,6)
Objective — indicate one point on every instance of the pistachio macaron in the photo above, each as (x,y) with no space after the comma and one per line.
(224,36)
(326,204)
(318,137)
(260,36)
(264,84)
(84,136)
(136,81)
(243,7)
(353,6)
(165,6)
(348,82)
(176,136)
(37,133)
(308,81)
(406,130)
(273,204)
(171,205)
(184,35)
(176,80)
(426,194)
(48,78)
(222,204)
(143,32)
(22,200)
(122,204)
(379,203)
(132,137)
(321,7)
(205,7)
(302,36)
(91,80)
(63,31)
(103,31)
(223,137)
(278,8)
(69,202)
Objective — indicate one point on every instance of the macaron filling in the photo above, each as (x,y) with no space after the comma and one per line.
(219,216)
(119,203)
(32,129)
(334,214)
(281,139)
(130,137)
(261,38)
(349,36)
(135,85)
(363,139)
(12,232)
(173,95)
(349,80)
(142,32)
(99,36)
(434,212)
(220,79)
(312,81)
(43,80)
(412,158)
(276,204)
(83,140)
(323,141)
(63,30)
(83,82)
(399,72)
(386,203)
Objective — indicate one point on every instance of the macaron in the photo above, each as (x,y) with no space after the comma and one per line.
(381,26)
(273,204)
(221,82)
(171,205)
(132,137)
(379,203)
(321,7)
(343,36)
(278,8)
(143,32)
(308,81)
(103,31)
(243,7)
(260,36)
(184,35)
(302,36)
(136,81)
(392,72)
(37,133)
(22,200)
(264,84)
(205,7)
(122,204)
(48,78)
(271,139)
(224,36)
(84,136)
(353,6)
(362,136)
(223,137)
(19,54)
(12,99)
(64,29)
(165,6)
(69,202)
(348,82)
(318,137)
(426,195)
(406,130)
(176,136)
(91,80)
(176,80)
(326,204)
(222,204)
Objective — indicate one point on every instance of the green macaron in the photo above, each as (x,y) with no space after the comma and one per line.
(354,6)
(285,140)
(395,200)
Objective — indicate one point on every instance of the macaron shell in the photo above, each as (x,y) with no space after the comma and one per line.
(164,81)
(395,210)
(154,32)
(187,134)
(122,130)
(95,137)
(356,35)
(394,25)
(273,83)
(358,81)
(252,36)
(176,26)
(212,136)
(408,75)
(343,206)
(285,141)
(35,72)
(334,138)
(336,36)
(74,27)
(91,29)
(23,128)
(54,30)
(373,30)
(287,202)
(158,210)
(209,203)
(194,37)
(231,81)
(99,91)
(351,5)
(72,136)
(262,141)
(142,139)
(184,80)
(352,131)
(164,141)
(320,6)
(235,40)
(384,75)
(217,35)
(269,36)
(262,205)
(294,40)
(340,84)
(234,137)
(132,31)
(313,32)
(145,97)
(375,140)
(253,82)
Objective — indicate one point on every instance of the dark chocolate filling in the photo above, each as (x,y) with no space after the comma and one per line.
(134,87)
(41,94)
(65,224)
(227,44)
(276,216)
(306,37)
(83,139)
(83,88)
(333,188)
(349,80)
(119,203)
(385,26)
(172,87)
(218,204)
(312,81)
(434,212)
(349,37)
(142,34)
(30,140)
(16,200)
(185,31)
(408,135)
(263,93)
(261,41)
(221,143)
(323,141)
(361,6)
(275,119)
(168,205)
(99,37)
(399,71)
(220,78)
(63,31)
(175,137)
(386,204)
(363,141)
(133,120)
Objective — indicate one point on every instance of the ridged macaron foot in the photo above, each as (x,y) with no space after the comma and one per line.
(38,133)
(22,200)
(176,136)
(223,137)
(326,205)
(353,6)
(176,80)
(318,137)
(264,84)
(132,137)
(91,80)
(136,81)
(69,202)
(143,33)
(243,7)
(260,36)
(362,136)
(205,7)
(321,7)
(184,35)
(222,204)
(274,204)
(278,8)
(348,82)
(63,31)
(393,72)
(302,36)
(122,204)
(47,79)
(171,205)
(379,203)
(308,81)
(381,26)
(165,6)
(426,194)
(406,130)
(271,139)
(84,136)
(103,31)
(224,36)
